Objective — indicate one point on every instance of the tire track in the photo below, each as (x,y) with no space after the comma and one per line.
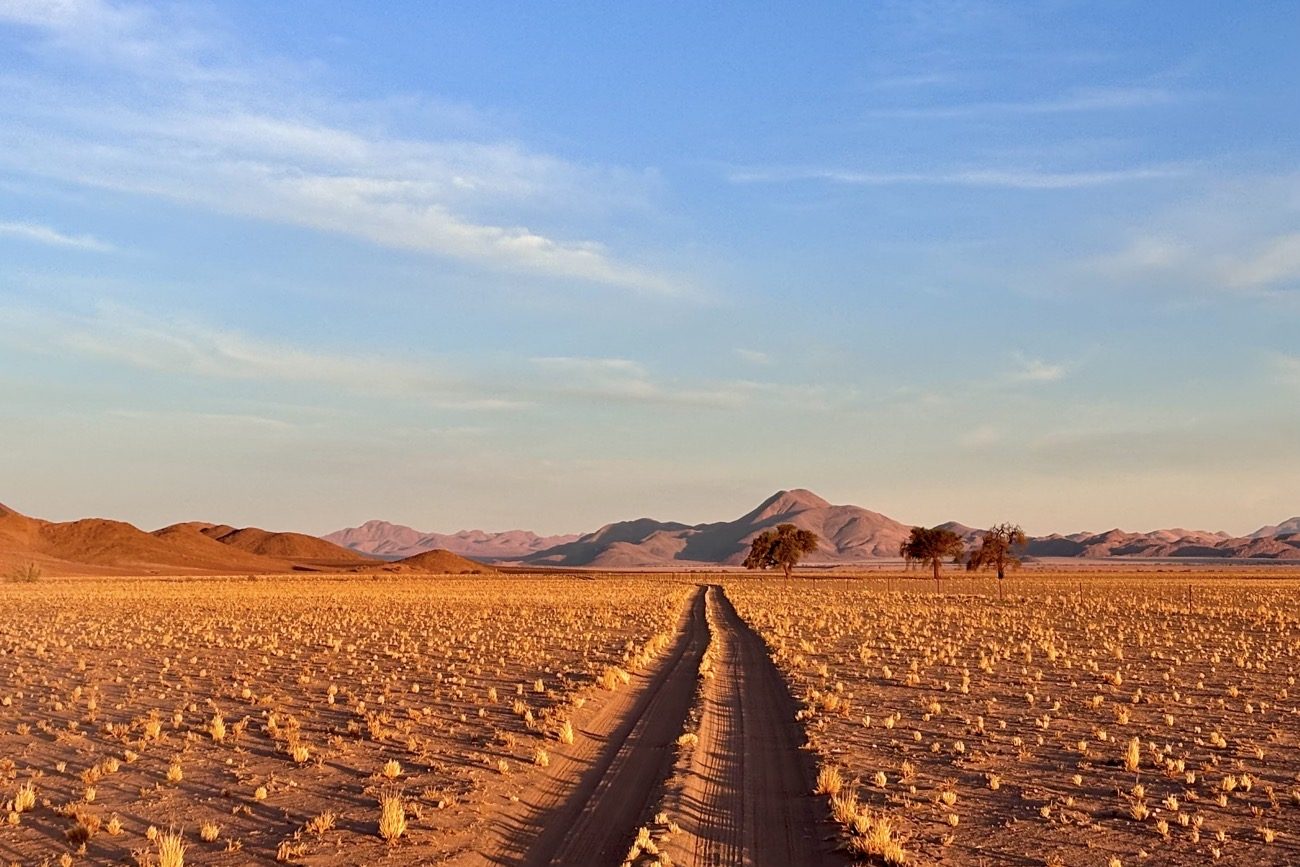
(748,796)
(619,762)
(744,798)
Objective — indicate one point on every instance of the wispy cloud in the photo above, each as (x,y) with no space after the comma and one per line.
(210,141)
(225,421)
(753,356)
(1011,178)
(623,380)
(1036,370)
(1239,238)
(1079,100)
(1273,262)
(40,234)
(979,437)
(1249,267)
(1288,369)
(185,349)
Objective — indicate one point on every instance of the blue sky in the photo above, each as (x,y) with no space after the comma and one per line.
(548,265)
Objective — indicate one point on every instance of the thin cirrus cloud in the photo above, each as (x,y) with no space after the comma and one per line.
(1036,370)
(41,234)
(182,349)
(277,161)
(626,381)
(1273,262)
(1288,369)
(1079,100)
(1007,178)
(1267,265)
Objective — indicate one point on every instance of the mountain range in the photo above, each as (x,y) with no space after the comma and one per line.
(393,541)
(849,534)
(103,547)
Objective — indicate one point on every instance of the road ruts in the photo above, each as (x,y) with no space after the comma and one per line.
(747,799)
(596,793)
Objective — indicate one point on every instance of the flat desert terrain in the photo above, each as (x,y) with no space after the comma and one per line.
(695,718)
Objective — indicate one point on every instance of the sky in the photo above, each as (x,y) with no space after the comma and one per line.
(496,265)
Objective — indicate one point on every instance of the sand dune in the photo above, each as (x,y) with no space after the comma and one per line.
(440,562)
(101,546)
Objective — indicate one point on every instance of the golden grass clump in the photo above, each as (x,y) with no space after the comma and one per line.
(322,823)
(829,781)
(392,816)
(171,849)
(874,836)
(565,733)
(217,728)
(25,798)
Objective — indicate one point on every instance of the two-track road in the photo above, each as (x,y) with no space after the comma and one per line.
(745,798)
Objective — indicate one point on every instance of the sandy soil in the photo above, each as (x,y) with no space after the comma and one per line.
(998,733)
(1103,719)
(107,685)
(744,796)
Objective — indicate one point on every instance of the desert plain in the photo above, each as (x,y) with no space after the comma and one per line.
(1107,718)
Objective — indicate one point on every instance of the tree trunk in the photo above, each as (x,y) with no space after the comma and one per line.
(786,567)
(937,566)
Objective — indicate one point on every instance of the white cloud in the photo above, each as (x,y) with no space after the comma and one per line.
(186,129)
(753,356)
(1288,369)
(1243,265)
(1276,261)
(1036,370)
(1078,100)
(52,237)
(980,437)
(1238,238)
(189,349)
(185,348)
(221,421)
(624,380)
(1008,178)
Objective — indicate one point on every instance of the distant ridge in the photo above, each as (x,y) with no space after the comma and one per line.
(101,546)
(849,534)
(396,541)
(437,562)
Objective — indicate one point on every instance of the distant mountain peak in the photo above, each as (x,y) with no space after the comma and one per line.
(793,500)
(1290,525)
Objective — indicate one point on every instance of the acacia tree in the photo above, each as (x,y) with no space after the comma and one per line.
(997,551)
(930,546)
(783,545)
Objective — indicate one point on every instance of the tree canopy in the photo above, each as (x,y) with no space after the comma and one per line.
(997,550)
(930,546)
(783,545)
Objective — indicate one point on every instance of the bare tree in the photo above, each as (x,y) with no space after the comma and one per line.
(997,551)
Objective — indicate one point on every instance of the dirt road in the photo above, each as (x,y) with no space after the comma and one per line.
(745,799)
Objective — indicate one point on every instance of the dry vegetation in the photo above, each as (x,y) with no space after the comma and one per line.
(1089,720)
(325,721)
